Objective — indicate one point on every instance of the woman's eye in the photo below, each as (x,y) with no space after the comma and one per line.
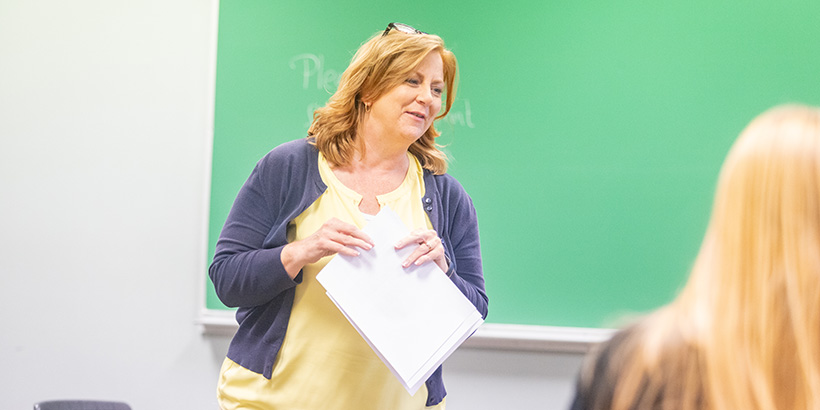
(437,91)
(413,81)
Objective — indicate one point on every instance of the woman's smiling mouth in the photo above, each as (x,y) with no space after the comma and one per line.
(416,114)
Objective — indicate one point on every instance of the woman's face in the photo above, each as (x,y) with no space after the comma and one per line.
(408,110)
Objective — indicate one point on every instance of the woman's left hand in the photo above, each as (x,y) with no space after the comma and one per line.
(429,248)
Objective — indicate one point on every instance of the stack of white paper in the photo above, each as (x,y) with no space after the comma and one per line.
(413,318)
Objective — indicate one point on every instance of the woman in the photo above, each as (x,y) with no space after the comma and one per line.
(745,331)
(372,145)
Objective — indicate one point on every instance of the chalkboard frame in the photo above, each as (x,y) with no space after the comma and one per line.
(733,99)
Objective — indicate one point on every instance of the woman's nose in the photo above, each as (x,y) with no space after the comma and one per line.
(425,96)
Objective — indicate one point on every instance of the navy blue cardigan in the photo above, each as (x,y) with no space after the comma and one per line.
(247,271)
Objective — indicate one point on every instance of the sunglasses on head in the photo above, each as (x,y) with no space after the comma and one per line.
(404,28)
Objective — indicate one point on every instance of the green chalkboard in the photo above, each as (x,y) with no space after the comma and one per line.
(588,133)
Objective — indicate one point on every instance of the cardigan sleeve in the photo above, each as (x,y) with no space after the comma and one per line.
(462,237)
(247,270)
(468,273)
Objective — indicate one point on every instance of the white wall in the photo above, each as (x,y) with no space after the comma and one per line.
(105,130)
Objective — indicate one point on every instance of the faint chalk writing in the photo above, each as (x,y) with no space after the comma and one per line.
(313,69)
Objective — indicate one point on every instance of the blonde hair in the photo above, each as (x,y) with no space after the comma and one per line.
(381,64)
(744,333)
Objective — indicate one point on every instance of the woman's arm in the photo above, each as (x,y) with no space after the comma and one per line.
(245,273)
(454,217)
(466,270)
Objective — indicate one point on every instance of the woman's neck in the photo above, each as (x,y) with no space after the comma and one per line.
(380,154)
(375,169)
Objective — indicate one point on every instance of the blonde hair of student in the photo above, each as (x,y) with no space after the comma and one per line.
(744,333)
(381,64)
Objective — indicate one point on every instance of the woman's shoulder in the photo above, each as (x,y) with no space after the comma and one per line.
(448,185)
(295,150)
(650,364)
(605,356)
(291,155)
(601,369)
(291,162)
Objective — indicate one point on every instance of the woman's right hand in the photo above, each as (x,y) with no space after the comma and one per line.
(335,236)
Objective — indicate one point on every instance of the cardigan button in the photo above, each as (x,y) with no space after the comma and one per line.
(429,208)
(428,200)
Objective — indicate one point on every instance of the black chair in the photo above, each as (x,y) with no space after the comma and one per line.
(81,405)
